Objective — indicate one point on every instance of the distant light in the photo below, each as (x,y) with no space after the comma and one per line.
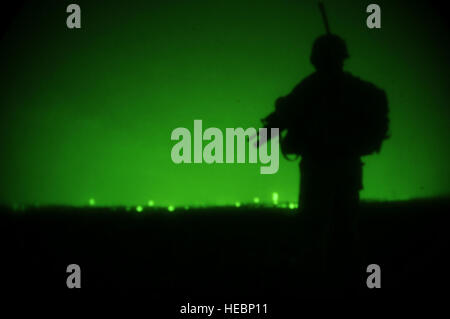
(291,206)
(139,209)
(256,200)
(151,203)
(171,208)
(275,198)
(91,202)
(237,204)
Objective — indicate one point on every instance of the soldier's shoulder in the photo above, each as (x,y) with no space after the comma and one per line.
(308,82)
(362,84)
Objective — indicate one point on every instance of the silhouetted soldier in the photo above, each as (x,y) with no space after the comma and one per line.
(331,119)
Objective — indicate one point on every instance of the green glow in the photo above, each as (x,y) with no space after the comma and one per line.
(151,203)
(237,204)
(91,111)
(139,209)
(171,208)
(91,202)
(292,206)
(275,198)
(256,200)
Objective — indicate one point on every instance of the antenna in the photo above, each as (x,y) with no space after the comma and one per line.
(324,17)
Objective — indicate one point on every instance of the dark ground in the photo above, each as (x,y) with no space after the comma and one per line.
(239,254)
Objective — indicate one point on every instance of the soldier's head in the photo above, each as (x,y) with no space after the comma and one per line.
(328,53)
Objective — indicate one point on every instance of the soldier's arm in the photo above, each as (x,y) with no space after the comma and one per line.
(286,107)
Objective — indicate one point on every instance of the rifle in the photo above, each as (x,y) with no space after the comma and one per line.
(271,120)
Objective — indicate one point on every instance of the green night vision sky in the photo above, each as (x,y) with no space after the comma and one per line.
(88,113)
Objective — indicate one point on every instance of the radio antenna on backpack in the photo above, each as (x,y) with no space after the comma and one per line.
(324,17)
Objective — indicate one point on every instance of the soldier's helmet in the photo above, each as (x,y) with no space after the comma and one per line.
(329,52)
